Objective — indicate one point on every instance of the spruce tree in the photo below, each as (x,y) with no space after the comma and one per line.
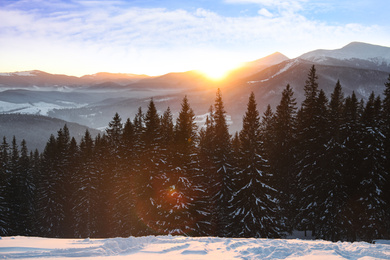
(101,161)
(15,190)
(372,174)
(64,179)
(351,135)
(86,203)
(49,206)
(312,130)
(185,190)
(386,133)
(222,177)
(148,176)
(25,193)
(205,225)
(254,200)
(114,138)
(4,189)
(333,223)
(283,156)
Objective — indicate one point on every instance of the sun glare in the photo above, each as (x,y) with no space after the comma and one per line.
(217,72)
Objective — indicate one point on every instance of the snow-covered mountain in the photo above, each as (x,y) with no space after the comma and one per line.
(355,54)
(93,99)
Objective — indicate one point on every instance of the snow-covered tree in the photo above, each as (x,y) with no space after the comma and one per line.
(282,159)
(4,189)
(254,202)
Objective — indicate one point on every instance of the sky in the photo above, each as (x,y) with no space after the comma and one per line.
(154,37)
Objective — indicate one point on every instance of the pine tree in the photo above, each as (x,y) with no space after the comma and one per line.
(386,132)
(282,159)
(312,135)
(222,176)
(15,195)
(101,160)
(333,223)
(4,189)
(351,134)
(254,200)
(125,212)
(205,205)
(25,193)
(35,168)
(86,201)
(114,136)
(64,179)
(50,200)
(372,174)
(147,177)
(184,189)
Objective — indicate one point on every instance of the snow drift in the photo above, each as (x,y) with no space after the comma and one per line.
(178,247)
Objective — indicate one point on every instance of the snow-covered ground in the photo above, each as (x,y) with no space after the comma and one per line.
(178,247)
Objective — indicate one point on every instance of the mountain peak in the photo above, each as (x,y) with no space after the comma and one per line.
(272,59)
(353,50)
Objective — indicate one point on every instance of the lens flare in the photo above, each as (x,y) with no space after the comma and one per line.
(167,210)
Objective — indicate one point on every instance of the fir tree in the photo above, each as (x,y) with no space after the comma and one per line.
(114,178)
(4,189)
(333,223)
(283,157)
(351,132)
(25,193)
(15,196)
(254,200)
(86,203)
(372,174)
(50,200)
(185,190)
(206,205)
(386,133)
(222,176)
(148,176)
(312,134)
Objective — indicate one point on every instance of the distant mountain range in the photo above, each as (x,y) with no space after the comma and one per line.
(36,129)
(92,100)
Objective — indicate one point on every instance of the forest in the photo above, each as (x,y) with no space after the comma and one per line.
(323,166)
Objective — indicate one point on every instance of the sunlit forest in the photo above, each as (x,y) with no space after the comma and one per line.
(320,166)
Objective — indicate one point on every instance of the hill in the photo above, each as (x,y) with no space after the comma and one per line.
(36,129)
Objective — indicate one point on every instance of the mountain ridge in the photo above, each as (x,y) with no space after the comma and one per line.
(95,104)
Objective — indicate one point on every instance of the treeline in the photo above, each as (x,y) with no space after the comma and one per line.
(323,167)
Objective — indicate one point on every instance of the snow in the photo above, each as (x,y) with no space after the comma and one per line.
(286,67)
(179,247)
(41,108)
(355,50)
(20,73)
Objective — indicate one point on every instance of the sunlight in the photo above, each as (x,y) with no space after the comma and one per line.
(217,71)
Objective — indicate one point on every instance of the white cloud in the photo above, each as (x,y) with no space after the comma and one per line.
(290,6)
(265,12)
(118,38)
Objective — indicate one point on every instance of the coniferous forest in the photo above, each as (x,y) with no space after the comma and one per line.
(323,167)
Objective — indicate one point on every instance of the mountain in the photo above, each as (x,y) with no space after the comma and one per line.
(36,129)
(356,54)
(92,100)
(249,68)
(39,79)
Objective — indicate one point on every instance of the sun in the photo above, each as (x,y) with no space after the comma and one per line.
(217,72)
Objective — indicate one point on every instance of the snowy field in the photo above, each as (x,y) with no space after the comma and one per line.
(178,247)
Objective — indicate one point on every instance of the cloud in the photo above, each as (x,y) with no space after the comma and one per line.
(290,6)
(122,38)
(265,12)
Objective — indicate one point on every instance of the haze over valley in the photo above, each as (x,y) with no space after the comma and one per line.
(92,100)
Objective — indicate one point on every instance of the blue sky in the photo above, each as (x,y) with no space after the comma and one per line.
(155,37)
